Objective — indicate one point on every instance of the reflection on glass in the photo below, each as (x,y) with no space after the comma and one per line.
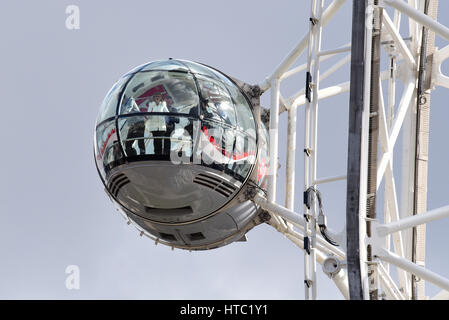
(165,65)
(218,104)
(227,150)
(109,104)
(175,90)
(181,140)
(128,105)
(209,72)
(245,118)
(263,158)
(244,155)
(200,69)
(107,146)
(156,129)
(216,145)
(156,135)
(131,133)
(158,119)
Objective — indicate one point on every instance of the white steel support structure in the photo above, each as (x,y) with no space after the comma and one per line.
(311,143)
(394,238)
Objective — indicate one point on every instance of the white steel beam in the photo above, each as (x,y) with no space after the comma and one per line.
(325,93)
(388,285)
(413,268)
(274,134)
(293,71)
(402,46)
(402,111)
(291,159)
(302,45)
(442,295)
(317,28)
(413,27)
(329,179)
(420,17)
(340,279)
(300,95)
(391,210)
(397,19)
(438,78)
(403,106)
(386,122)
(413,221)
(308,278)
(334,51)
(297,220)
(303,67)
(383,135)
(442,80)
(443,54)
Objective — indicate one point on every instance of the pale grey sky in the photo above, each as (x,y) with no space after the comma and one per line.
(53,208)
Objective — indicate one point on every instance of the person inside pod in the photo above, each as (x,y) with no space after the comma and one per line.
(136,127)
(171,121)
(157,125)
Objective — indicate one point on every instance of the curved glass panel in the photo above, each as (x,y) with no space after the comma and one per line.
(132,130)
(107,149)
(158,119)
(222,77)
(216,145)
(160,91)
(218,105)
(244,155)
(168,65)
(245,118)
(198,68)
(162,137)
(227,150)
(109,104)
(264,160)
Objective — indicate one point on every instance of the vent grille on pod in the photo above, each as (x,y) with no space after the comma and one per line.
(116,183)
(215,183)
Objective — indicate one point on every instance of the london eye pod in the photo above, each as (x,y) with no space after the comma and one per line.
(177,148)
